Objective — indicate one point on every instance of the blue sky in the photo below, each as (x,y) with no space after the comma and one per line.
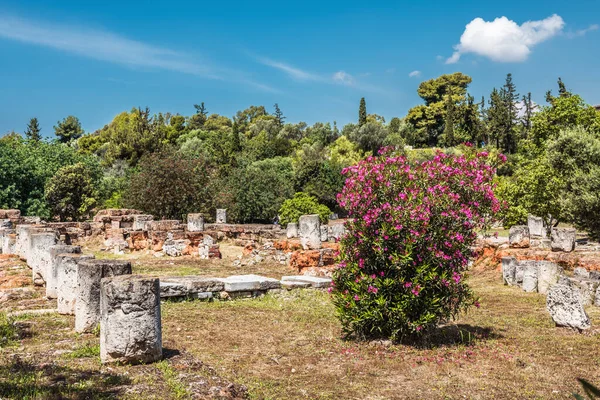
(94,59)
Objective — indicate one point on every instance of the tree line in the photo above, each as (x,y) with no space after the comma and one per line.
(170,164)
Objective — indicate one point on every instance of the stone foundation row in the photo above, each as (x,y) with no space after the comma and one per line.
(566,295)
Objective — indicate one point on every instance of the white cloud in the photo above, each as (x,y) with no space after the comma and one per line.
(110,47)
(503,40)
(294,72)
(414,74)
(583,32)
(343,78)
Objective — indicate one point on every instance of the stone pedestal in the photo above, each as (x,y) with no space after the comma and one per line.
(9,242)
(130,326)
(563,239)
(66,281)
(536,226)
(309,229)
(52,275)
(221,216)
(509,267)
(292,230)
(530,277)
(140,222)
(518,236)
(87,296)
(39,255)
(548,274)
(195,222)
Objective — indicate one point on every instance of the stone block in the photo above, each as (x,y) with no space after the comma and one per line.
(289,285)
(509,268)
(164,225)
(309,229)
(520,270)
(530,277)
(52,276)
(66,281)
(186,286)
(586,287)
(518,236)
(324,233)
(195,222)
(221,217)
(140,222)
(130,325)
(315,282)
(336,232)
(565,306)
(249,283)
(597,297)
(563,239)
(175,248)
(87,293)
(581,272)
(292,230)
(39,254)
(548,275)
(542,244)
(536,226)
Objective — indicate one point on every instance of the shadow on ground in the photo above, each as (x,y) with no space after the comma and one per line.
(24,380)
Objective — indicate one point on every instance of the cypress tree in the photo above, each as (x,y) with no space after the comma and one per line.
(33,130)
(362,112)
(279,118)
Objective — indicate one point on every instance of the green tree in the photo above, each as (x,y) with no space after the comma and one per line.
(302,204)
(170,185)
(279,118)
(199,118)
(32,132)
(362,112)
(71,192)
(429,119)
(68,129)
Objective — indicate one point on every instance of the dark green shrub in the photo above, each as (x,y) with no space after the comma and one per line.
(302,204)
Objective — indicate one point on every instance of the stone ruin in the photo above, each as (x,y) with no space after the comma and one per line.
(566,295)
(126,307)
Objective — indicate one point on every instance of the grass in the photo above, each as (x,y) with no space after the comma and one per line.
(289,346)
(9,332)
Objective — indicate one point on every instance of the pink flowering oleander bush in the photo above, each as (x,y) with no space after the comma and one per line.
(408,244)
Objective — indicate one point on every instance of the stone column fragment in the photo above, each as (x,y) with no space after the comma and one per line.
(87,294)
(221,216)
(563,239)
(509,267)
(52,274)
(530,277)
(66,281)
(548,274)
(292,230)
(195,222)
(39,255)
(130,326)
(309,229)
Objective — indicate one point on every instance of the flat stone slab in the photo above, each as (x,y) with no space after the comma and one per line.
(295,285)
(315,281)
(248,283)
(181,286)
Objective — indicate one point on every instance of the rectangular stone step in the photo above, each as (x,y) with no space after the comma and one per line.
(315,281)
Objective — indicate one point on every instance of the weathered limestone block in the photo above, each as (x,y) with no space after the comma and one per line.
(130,326)
(39,254)
(542,244)
(587,289)
(175,248)
(9,241)
(189,286)
(6,224)
(66,281)
(195,222)
(52,275)
(509,269)
(518,236)
(565,306)
(310,232)
(140,222)
(314,281)
(249,283)
(164,225)
(548,274)
(563,239)
(520,270)
(536,226)
(24,233)
(530,277)
(324,233)
(597,297)
(292,230)
(336,232)
(87,295)
(221,216)
(581,272)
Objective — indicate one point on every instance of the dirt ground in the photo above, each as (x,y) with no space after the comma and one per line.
(289,346)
